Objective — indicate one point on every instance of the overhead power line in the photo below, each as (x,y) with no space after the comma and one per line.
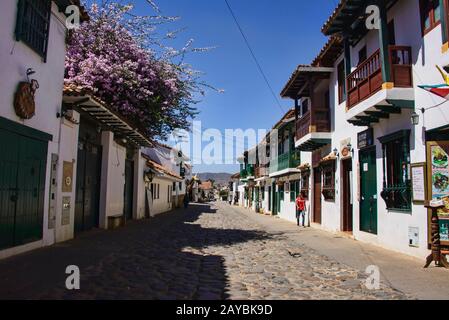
(254,56)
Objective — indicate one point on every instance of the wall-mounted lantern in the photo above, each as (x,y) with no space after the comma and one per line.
(414,118)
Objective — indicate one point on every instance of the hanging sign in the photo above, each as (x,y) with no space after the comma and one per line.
(365,138)
(24,104)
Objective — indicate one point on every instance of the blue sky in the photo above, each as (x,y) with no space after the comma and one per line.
(282,33)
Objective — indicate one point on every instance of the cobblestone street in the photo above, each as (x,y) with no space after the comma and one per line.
(207,252)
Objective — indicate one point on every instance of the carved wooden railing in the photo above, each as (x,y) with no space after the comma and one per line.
(316,120)
(401,66)
(262,171)
(367,78)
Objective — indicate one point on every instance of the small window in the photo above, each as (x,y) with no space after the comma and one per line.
(362,55)
(328,175)
(391,33)
(341,82)
(430,14)
(305,107)
(396,162)
(33,24)
(305,175)
(295,190)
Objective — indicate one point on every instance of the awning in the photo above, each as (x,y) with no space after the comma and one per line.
(297,86)
(86,103)
(304,167)
(329,158)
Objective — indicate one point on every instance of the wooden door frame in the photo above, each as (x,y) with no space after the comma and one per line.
(344,185)
(314,220)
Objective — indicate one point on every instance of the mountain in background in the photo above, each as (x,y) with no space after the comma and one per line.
(219,178)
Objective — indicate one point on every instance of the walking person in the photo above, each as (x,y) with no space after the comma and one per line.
(301,210)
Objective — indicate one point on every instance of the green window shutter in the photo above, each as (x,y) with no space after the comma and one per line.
(33,24)
(292,191)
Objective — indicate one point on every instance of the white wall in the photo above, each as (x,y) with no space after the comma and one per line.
(393,226)
(139,186)
(161,205)
(68,151)
(112,178)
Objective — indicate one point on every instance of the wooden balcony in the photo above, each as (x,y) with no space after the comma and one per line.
(261,172)
(313,129)
(316,120)
(366,80)
(288,160)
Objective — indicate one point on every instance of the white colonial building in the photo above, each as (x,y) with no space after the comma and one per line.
(32,58)
(363,159)
(374,145)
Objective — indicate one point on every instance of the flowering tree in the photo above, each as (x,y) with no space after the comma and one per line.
(118,56)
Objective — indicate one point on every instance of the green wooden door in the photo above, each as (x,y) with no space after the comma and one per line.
(274,201)
(269,198)
(279,197)
(9,158)
(31,186)
(368,191)
(129,189)
(87,197)
(22,188)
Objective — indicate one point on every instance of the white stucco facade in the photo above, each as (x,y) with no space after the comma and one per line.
(16,58)
(393,226)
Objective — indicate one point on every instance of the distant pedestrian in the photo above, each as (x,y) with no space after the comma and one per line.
(186,201)
(301,209)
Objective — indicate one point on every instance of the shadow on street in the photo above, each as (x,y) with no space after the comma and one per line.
(146,259)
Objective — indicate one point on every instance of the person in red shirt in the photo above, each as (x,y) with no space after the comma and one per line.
(301,209)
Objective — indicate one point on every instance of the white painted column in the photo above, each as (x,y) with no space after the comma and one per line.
(68,151)
(112,178)
(139,186)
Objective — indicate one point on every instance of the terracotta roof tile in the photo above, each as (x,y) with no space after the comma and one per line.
(206,185)
(334,14)
(160,168)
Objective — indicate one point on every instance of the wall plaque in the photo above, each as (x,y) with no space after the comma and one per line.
(66,205)
(67,176)
(24,103)
(419,182)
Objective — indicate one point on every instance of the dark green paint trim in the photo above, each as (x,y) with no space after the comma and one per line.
(396,135)
(444,35)
(23,130)
(404,104)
